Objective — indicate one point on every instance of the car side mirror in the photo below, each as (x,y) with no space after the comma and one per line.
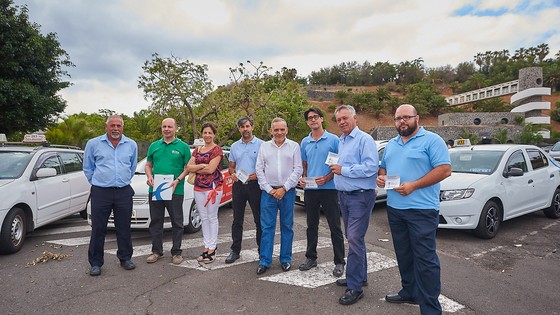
(514,171)
(46,172)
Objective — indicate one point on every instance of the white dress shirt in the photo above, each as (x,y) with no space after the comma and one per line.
(278,165)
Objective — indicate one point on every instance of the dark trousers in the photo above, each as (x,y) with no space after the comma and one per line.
(103,201)
(328,200)
(241,194)
(157,214)
(356,210)
(414,239)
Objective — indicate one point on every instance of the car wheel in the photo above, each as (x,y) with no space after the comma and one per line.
(195,223)
(553,211)
(489,221)
(13,233)
(83,213)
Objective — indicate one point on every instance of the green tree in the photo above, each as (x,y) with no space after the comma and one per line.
(495,104)
(501,136)
(426,98)
(30,72)
(175,87)
(72,131)
(530,135)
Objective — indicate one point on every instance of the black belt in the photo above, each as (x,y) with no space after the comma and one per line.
(355,192)
(276,187)
(248,182)
(114,188)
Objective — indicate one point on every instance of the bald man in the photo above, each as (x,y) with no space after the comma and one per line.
(167,156)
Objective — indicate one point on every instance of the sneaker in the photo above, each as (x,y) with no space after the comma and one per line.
(177,259)
(152,258)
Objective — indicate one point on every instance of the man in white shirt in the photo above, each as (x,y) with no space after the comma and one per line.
(278,171)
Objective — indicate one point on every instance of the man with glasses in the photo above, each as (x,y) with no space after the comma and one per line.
(420,160)
(320,192)
(355,173)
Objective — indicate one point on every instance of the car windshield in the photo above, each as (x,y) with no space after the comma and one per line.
(475,162)
(13,163)
(555,147)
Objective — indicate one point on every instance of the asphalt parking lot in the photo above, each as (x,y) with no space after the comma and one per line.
(517,272)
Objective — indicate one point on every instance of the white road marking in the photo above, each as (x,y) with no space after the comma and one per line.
(485,252)
(61,230)
(448,305)
(251,255)
(322,275)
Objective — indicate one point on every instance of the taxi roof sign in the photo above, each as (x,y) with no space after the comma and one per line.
(462,143)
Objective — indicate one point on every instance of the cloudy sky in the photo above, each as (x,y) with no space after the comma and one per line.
(109,40)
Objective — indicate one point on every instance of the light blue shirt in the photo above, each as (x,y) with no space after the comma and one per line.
(357,154)
(315,153)
(411,161)
(245,154)
(107,166)
(278,165)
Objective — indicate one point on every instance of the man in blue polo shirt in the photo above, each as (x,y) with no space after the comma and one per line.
(242,161)
(421,161)
(320,191)
(167,156)
(354,179)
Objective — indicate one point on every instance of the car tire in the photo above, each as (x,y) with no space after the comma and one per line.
(14,230)
(489,221)
(195,223)
(553,211)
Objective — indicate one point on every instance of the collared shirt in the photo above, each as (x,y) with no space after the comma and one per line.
(411,161)
(169,159)
(108,166)
(278,165)
(315,153)
(245,154)
(357,154)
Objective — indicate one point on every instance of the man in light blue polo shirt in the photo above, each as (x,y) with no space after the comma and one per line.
(354,179)
(421,160)
(242,161)
(320,192)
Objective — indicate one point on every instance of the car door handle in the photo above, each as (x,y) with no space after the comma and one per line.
(530,181)
(65,180)
(551,175)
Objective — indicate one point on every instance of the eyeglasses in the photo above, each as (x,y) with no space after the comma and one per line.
(405,118)
(314,117)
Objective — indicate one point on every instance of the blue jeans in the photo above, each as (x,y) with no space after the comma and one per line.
(356,210)
(414,239)
(269,209)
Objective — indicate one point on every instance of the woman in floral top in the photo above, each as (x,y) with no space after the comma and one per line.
(205,163)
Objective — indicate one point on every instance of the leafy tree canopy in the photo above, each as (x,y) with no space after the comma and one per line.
(31,72)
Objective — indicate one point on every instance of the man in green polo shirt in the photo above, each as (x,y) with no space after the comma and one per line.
(167,156)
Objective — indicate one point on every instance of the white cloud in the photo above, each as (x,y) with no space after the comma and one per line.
(110,40)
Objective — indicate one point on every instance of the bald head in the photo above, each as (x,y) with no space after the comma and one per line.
(168,129)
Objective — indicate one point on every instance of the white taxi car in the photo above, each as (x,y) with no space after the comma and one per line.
(493,183)
(38,185)
(191,217)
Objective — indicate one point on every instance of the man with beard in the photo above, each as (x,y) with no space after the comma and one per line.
(242,160)
(421,160)
(355,172)
(109,165)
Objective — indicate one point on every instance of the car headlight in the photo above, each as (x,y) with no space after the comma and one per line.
(456,194)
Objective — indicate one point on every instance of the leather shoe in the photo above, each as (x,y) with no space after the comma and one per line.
(286,266)
(338,270)
(308,264)
(261,269)
(396,298)
(95,271)
(127,264)
(233,256)
(351,297)
(343,283)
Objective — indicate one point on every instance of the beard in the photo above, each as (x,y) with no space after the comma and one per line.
(411,128)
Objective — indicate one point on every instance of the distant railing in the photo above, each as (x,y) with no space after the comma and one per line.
(484,93)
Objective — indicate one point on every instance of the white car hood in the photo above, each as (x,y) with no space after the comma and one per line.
(460,181)
(5,181)
(139,185)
